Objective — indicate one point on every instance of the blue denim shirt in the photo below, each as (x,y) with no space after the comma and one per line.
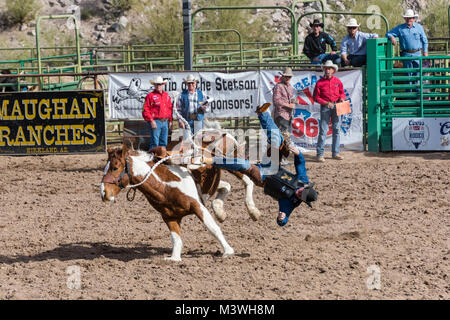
(358,45)
(410,38)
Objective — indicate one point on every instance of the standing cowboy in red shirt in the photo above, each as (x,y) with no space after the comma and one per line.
(327,92)
(158,113)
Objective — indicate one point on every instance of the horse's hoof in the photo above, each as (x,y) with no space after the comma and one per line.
(228,253)
(220,214)
(254,213)
(172,259)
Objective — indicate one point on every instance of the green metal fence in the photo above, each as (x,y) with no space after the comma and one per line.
(398,92)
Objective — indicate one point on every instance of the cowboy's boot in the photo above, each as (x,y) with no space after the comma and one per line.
(263,108)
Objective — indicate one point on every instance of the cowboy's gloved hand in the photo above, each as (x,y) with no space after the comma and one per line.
(198,160)
(294,149)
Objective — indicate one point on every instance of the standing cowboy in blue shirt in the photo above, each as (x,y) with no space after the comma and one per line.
(192,105)
(412,40)
(354,45)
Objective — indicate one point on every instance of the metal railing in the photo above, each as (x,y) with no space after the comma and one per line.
(396,91)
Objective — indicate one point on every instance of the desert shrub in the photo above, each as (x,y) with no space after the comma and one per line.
(163,23)
(435,19)
(20,11)
(120,6)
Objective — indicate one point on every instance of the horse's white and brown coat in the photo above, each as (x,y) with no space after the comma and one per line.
(170,189)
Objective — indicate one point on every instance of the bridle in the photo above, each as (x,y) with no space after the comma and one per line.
(108,177)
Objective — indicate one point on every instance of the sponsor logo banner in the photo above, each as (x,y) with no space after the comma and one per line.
(421,134)
(52,122)
(305,125)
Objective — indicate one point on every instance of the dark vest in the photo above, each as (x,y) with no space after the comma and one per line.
(281,185)
(185,104)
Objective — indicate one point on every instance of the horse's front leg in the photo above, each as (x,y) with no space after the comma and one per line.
(217,204)
(175,236)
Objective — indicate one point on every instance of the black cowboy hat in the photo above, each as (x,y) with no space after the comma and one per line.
(309,194)
(316,22)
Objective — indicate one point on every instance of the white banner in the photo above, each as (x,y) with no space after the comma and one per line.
(421,134)
(305,126)
(238,95)
(233,94)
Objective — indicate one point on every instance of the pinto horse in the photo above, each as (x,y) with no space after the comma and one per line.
(170,189)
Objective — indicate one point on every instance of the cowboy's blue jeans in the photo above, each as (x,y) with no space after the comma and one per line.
(275,138)
(325,115)
(356,60)
(326,56)
(412,64)
(195,127)
(158,136)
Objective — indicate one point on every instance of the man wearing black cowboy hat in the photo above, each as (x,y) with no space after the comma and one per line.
(316,45)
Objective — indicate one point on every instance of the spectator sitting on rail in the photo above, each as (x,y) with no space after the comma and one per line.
(327,92)
(354,45)
(157,112)
(192,105)
(316,44)
(290,190)
(412,40)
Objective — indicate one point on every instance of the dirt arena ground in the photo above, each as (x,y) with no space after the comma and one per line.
(376,212)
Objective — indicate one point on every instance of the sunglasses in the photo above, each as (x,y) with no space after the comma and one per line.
(351,28)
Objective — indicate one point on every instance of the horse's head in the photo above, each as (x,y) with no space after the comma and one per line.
(116,174)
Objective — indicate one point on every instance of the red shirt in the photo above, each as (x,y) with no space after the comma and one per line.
(328,90)
(157,106)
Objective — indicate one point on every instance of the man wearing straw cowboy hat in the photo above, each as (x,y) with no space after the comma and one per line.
(284,101)
(157,112)
(327,92)
(316,45)
(191,105)
(412,40)
(354,45)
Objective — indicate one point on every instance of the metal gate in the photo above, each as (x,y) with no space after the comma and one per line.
(398,92)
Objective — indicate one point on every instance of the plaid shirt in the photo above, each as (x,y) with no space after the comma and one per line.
(282,95)
(193,103)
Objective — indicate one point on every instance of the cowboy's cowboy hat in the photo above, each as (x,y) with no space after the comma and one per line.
(316,22)
(190,78)
(409,13)
(287,73)
(330,64)
(352,23)
(158,80)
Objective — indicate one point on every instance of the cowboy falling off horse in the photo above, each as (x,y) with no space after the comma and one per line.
(179,179)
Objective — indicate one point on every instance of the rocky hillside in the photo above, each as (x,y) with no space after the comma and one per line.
(102,25)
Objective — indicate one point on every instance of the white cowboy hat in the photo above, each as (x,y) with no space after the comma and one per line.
(158,80)
(287,73)
(409,13)
(330,64)
(352,23)
(190,78)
